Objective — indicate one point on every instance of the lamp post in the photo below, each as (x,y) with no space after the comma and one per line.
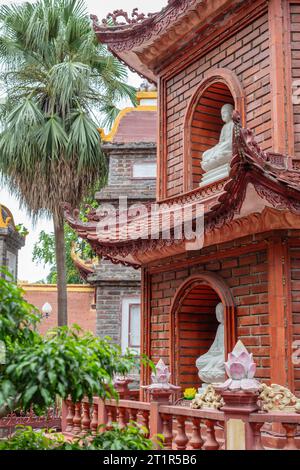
(46,310)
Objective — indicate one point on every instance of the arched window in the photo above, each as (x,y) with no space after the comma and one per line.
(203,122)
(193,324)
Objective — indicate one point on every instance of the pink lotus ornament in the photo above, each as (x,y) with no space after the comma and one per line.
(240,369)
(160,378)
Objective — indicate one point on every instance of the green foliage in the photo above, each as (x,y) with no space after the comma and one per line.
(56,76)
(64,362)
(22,230)
(44,252)
(25,438)
(17,317)
(132,437)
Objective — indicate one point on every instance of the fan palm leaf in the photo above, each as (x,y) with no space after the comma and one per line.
(56,75)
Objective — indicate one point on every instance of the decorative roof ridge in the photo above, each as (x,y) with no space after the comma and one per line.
(85,267)
(140,27)
(274,181)
(112,133)
(6,217)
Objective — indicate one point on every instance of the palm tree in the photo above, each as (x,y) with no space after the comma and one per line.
(56,76)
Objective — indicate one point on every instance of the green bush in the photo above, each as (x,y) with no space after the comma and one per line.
(65,362)
(26,438)
(132,437)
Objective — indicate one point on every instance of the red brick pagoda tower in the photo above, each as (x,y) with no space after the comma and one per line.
(203,54)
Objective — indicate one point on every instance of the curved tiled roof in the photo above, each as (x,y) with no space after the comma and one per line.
(6,217)
(137,124)
(144,42)
(273,204)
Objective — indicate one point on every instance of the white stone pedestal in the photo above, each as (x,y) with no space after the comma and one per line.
(203,388)
(216,174)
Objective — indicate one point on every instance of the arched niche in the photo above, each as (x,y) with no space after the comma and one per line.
(194,325)
(203,122)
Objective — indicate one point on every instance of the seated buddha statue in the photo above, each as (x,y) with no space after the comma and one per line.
(215,161)
(210,365)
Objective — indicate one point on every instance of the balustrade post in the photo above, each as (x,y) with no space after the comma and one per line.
(97,417)
(77,419)
(70,416)
(181,438)
(239,433)
(256,430)
(121,387)
(196,441)
(160,392)
(290,436)
(85,418)
(210,442)
(167,426)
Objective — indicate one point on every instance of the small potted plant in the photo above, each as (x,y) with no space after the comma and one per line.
(189,393)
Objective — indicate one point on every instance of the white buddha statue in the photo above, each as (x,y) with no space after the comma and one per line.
(211,364)
(215,161)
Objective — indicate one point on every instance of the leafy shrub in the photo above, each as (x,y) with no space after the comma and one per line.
(65,362)
(132,437)
(26,438)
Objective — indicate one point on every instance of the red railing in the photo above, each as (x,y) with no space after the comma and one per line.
(183,427)
(52,419)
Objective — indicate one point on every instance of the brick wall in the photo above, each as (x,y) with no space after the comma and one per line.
(81,308)
(246,275)
(295,51)
(247,54)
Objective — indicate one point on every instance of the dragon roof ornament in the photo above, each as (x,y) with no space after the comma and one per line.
(136,17)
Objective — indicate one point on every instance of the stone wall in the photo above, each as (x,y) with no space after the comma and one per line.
(113,282)
(120,178)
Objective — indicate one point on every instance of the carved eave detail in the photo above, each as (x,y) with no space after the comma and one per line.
(145,43)
(277,208)
(84,267)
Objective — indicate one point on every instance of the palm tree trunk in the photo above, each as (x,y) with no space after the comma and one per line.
(60,250)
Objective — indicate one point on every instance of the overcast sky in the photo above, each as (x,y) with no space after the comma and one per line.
(28,271)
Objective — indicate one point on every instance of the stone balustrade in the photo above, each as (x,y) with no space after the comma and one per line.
(182,427)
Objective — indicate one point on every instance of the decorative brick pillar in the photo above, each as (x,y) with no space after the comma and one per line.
(160,393)
(237,409)
(121,386)
(240,393)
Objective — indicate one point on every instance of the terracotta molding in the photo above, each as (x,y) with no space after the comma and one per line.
(277,75)
(203,259)
(267,221)
(202,47)
(145,328)
(217,284)
(288,80)
(277,311)
(289,313)
(218,75)
(53,288)
(161,143)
